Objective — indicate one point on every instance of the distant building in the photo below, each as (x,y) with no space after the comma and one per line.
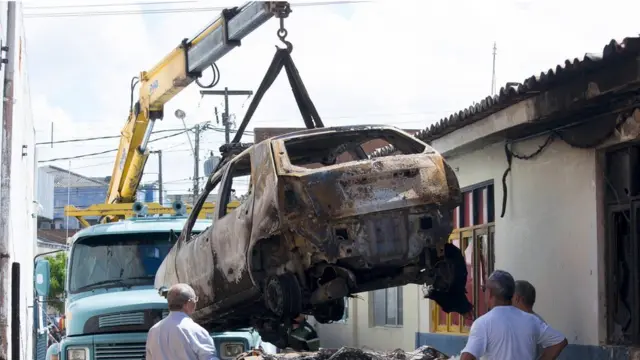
(74,189)
(81,191)
(188,198)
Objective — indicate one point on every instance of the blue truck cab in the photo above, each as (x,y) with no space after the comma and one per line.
(110,300)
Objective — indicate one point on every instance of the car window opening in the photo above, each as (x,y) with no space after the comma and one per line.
(314,152)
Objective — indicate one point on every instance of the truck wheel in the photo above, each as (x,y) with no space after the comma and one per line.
(283,296)
(330,311)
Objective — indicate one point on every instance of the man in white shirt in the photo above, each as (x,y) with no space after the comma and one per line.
(508,333)
(525,297)
(177,337)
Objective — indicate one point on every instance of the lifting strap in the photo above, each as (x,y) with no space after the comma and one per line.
(310,115)
(281,59)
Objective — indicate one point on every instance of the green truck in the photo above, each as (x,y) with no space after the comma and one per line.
(110,300)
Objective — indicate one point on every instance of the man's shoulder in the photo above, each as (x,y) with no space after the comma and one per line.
(539,317)
(193,326)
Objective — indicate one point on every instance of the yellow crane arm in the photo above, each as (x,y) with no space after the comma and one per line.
(176,71)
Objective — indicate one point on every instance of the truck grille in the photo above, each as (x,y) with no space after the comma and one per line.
(122,351)
(123,319)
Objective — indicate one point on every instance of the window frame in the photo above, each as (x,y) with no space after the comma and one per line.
(227,182)
(399,307)
(473,230)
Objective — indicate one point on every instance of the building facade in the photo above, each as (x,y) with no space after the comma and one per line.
(17,191)
(81,191)
(549,170)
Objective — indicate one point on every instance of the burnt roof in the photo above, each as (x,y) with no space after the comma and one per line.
(531,86)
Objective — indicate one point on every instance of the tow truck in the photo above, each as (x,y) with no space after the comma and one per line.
(110,299)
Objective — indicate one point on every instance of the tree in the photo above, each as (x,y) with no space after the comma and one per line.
(58,266)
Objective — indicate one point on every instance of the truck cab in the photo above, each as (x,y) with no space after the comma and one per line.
(110,300)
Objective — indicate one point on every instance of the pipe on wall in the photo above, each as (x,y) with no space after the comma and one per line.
(15,311)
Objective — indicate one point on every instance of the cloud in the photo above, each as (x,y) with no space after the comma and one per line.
(406,63)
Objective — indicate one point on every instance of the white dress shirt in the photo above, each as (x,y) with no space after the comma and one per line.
(177,337)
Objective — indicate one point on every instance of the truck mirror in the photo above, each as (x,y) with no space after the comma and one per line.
(42,277)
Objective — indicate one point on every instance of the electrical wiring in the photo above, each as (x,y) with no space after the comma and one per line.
(98,138)
(111,4)
(134,81)
(214,81)
(92,158)
(108,151)
(168,10)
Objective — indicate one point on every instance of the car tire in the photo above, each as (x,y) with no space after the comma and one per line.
(283,296)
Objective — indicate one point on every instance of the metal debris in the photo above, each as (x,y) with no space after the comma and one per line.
(349,353)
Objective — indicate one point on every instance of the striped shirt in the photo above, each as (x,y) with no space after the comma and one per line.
(177,337)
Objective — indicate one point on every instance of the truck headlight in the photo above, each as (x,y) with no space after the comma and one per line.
(230,350)
(77,354)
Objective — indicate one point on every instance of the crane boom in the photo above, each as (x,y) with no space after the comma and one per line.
(171,75)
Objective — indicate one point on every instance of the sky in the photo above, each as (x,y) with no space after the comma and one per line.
(404,63)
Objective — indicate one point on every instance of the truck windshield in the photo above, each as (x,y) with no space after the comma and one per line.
(117,260)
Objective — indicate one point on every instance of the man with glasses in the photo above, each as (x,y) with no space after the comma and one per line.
(177,337)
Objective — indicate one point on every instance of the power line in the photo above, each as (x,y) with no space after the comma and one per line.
(111,4)
(168,11)
(98,138)
(111,157)
(106,151)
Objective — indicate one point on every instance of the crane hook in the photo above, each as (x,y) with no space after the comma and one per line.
(282,35)
(282,9)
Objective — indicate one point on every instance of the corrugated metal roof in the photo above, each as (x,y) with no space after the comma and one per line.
(58,236)
(64,178)
(511,93)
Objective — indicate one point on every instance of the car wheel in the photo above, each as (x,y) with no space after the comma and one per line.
(283,296)
(330,311)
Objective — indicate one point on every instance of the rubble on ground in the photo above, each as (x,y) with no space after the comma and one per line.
(349,353)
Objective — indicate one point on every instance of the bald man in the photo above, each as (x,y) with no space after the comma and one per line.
(177,337)
(506,332)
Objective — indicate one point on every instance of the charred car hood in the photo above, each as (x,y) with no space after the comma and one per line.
(116,308)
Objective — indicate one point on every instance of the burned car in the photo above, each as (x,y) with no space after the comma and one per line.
(321,221)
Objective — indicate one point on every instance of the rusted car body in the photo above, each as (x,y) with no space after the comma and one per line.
(321,221)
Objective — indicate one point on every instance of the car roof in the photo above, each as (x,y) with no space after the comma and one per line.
(142,225)
(334,129)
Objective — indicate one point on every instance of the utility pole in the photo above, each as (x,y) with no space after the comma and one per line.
(160,189)
(493,72)
(225,116)
(6,180)
(196,165)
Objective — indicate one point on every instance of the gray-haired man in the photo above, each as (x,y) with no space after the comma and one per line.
(177,337)
(505,332)
(525,297)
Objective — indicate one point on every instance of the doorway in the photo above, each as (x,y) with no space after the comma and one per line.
(622,199)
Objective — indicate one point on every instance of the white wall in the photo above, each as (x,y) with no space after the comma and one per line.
(549,235)
(358,331)
(22,225)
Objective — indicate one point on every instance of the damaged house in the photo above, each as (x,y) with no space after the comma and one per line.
(550,170)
